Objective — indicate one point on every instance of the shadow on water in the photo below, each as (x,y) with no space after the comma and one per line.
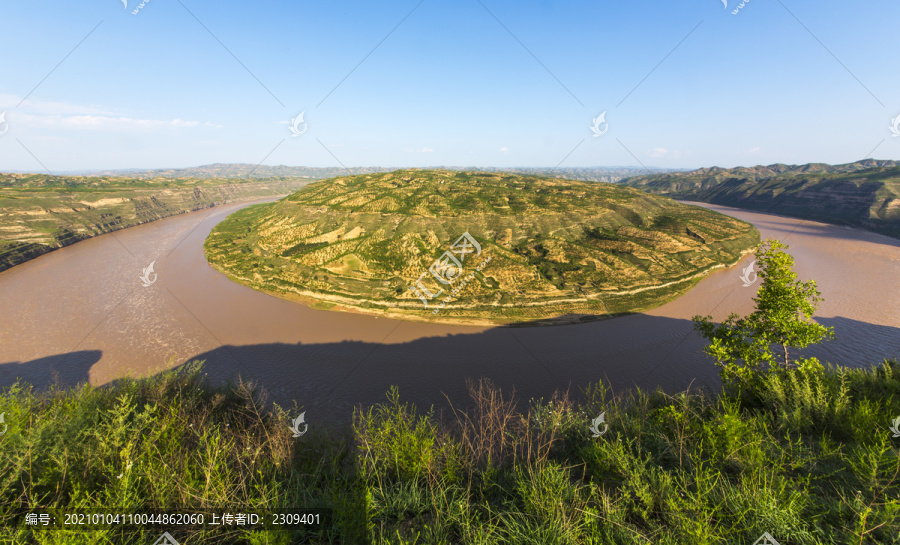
(66,370)
(329,379)
(887,338)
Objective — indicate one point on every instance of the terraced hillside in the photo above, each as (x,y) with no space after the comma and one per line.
(40,213)
(864,194)
(540,248)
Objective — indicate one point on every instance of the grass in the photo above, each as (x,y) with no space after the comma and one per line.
(805,456)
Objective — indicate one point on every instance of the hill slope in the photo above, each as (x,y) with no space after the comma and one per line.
(40,213)
(547,247)
(864,194)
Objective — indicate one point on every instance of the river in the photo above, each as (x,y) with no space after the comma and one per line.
(81,313)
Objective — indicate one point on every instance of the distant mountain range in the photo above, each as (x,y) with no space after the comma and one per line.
(235,170)
(863,194)
(246,170)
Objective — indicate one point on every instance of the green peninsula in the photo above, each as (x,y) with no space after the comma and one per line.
(527,248)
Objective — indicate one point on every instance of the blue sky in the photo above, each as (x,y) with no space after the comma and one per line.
(465,83)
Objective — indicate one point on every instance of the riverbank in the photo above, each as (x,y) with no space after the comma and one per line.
(806,458)
(39,213)
(394,311)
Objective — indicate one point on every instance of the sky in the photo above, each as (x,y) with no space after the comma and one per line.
(416,83)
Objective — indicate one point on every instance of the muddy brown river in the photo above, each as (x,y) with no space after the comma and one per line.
(82,314)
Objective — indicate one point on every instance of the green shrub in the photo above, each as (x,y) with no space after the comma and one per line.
(394,441)
(807,457)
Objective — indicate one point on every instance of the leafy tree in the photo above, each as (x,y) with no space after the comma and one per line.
(744,347)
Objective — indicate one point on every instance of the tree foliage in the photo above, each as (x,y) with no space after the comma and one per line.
(744,347)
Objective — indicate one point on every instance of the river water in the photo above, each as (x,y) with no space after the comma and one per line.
(81,314)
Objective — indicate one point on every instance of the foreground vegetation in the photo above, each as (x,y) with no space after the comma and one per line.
(808,458)
(40,213)
(549,248)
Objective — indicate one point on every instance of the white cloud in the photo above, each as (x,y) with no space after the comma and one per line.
(754,150)
(51,139)
(658,153)
(419,150)
(49,107)
(103,122)
(56,114)
(504,149)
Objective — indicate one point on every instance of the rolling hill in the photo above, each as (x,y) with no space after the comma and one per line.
(40,213)
(864,194)
(537,248)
